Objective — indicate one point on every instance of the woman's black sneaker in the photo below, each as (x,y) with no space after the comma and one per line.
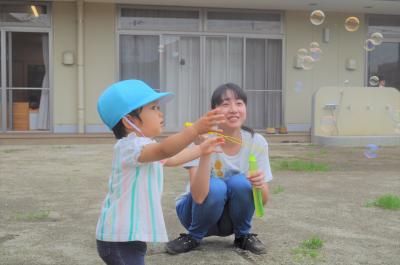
(251,243)
(184,243)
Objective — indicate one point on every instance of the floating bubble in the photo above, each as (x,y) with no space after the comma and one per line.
(374,80)
(346,82)
(394,115)
(317,17)
(376,38)
(161,48)
(328,124)
(352,24)
(316,54)
(371,150)
(307,63)
(298,86)
(369,45)
(397,128)
(314,44)
(302,52)
(315,51)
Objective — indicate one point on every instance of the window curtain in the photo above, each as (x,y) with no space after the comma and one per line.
(264,79)
(181,59)
(140,59)
(43,116)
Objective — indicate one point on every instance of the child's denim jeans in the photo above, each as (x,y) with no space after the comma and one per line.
(228,209)
(122,253)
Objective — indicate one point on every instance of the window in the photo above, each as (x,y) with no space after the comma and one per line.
(22,14)
(133,18)
(259,22)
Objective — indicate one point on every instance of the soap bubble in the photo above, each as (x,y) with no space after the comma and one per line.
(328,124)
(394,115)
(161,48)
(315,51)
(298,86)
(307,63)
(369,45)
(317,17)
(314,44)
(397,128)
(352,24)
(302,52)
(377,38)
(371,150)
(374,80)
(346,82)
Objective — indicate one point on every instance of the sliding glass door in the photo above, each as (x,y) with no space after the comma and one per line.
(192,66)
(25,81)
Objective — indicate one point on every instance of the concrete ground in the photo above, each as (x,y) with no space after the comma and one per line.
(50,198)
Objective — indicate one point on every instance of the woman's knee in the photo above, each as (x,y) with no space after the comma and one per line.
(239,184)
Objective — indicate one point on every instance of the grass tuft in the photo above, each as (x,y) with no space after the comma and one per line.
(388,201)
(33,216)
(299,165)
(278,190)
(309,248)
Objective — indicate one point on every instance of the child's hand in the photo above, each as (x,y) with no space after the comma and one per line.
(256,179)
(209,145)
(209,122)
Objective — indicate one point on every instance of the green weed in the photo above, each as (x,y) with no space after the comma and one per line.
(309,248)
(388,201)
(300,165)
(278,190)
(33,216)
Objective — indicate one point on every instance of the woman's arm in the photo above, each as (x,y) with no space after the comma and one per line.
(200,180)
(200,177)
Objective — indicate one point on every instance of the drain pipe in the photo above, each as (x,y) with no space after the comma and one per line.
(81,94)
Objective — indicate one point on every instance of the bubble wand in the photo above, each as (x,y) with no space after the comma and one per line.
(232,139)
(257,193)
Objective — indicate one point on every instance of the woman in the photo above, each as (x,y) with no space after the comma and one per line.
(220,200)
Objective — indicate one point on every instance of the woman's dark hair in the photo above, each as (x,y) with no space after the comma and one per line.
(119,129)
(219,92)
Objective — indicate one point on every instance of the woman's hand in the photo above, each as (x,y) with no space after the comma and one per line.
(257,179)
(200,139)
(209,145)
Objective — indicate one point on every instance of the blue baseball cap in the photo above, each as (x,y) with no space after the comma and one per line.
(123,97)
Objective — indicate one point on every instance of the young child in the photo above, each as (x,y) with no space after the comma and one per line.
(131,214)
(220,200)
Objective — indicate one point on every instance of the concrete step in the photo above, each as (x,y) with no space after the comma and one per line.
(16,138)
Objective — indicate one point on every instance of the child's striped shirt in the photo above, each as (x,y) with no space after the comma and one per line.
(132,208)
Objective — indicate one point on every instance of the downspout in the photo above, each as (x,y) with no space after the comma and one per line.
(81,94)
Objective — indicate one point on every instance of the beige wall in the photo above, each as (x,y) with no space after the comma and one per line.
(100,50)
(360,111)
(99,61)
(330,71)
(64,81)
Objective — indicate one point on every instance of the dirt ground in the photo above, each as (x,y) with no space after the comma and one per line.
(50,198)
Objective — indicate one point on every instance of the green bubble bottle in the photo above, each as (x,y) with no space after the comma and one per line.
(257,193)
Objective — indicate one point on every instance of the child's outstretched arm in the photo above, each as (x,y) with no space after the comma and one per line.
(177,142)
(194,152)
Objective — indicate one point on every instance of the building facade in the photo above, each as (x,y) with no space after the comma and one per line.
(58,56)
